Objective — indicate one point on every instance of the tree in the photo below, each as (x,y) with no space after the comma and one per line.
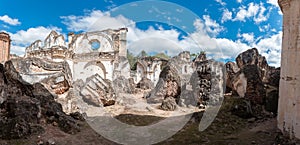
(162,55)
(202,52)
(131,59)
(194,55)
(143,53)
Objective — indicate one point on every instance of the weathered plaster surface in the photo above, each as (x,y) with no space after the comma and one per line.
(289,92)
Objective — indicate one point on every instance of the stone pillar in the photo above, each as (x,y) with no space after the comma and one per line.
(4,47)
(289,91)
(123,41)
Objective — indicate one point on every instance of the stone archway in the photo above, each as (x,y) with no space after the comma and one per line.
(141,71)
(96,67)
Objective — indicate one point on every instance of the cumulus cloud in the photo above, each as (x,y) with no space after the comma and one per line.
(163,40)
(261,17)
(270,47)
(227,15)
(217,48)
(150,40)
(239,1)
(248,37)
(9,20)
(265,28)
(95,20)
(211,26)
(255,11)
(23,38)
(203,38)
(18,50)
(153,40)
(226,49)
(244,13)
(26,37)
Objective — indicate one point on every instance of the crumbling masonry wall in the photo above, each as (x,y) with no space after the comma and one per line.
(4,47)
(289,92)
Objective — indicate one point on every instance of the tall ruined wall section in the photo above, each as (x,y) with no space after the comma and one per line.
(289,92)
(4,47)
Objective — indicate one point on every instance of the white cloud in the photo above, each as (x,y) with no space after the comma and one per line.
(18,50)
(23,38)
(9,20)
(273,2)
(161,40)
(271,48)
(239,1)
(137,39)
(217,48)
(227,15)
(248,37)
(223,48)
(95,20)
(26,37)
(221,2)
(230,49)
(244,13)
(261,17)
(211,26)
(264,28)
(255,11)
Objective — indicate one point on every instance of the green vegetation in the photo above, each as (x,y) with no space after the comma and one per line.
(132,59)
(194,55)
(143,53)
(162,55)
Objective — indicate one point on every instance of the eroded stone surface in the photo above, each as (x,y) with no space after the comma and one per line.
(189,82)
(149,67)
(82,68)
(145,84)
(25,107)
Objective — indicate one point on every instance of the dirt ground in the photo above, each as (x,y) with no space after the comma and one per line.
(233,131)
(226,129)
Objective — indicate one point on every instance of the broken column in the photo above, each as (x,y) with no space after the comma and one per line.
(289,92)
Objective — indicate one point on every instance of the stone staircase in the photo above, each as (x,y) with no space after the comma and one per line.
(98,91)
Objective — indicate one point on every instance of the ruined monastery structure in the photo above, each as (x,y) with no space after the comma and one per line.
(150,68)
(86,53)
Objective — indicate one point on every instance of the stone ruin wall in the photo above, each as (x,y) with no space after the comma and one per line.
(4,47)
(289,92)
(83,60)
(77,67)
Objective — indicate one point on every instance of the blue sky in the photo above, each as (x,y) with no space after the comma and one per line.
(222,28)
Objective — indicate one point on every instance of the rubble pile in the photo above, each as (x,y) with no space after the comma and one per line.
(252,79)
(26,108)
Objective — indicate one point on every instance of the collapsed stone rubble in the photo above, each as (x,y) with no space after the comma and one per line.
(27,108)
(184,82)
(253,79)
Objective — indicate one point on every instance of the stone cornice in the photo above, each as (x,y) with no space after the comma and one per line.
(284,4)
(6,38)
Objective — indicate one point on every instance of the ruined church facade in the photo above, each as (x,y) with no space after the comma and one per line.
(87,53)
